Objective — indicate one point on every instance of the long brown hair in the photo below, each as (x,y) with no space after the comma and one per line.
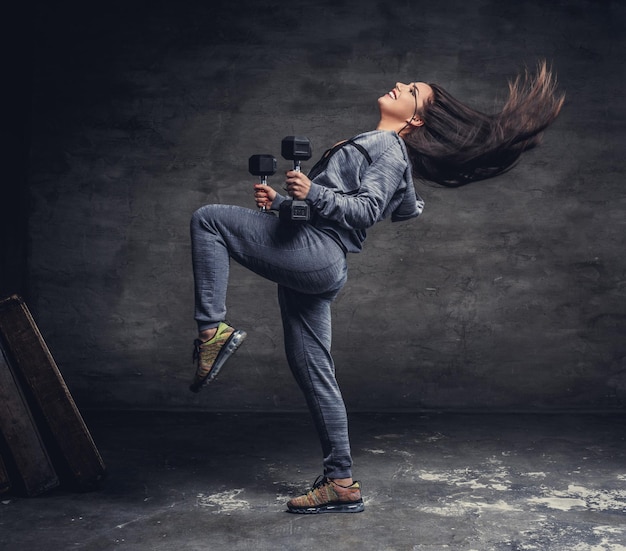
(457,144)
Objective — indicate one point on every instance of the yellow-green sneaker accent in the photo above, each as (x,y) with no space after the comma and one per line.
(210,356)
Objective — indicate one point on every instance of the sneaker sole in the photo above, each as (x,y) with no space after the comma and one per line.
(355,507)
(229,348)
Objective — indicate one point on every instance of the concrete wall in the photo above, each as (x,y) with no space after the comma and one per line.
(508,294)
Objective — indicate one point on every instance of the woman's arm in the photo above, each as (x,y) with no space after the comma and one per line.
(267,197)
(383,182)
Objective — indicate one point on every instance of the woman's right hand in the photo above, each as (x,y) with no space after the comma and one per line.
(264,195)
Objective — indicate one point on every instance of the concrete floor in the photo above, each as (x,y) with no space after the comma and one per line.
(431,482)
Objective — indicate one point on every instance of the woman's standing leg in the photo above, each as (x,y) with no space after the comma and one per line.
(308,333)
(307,327)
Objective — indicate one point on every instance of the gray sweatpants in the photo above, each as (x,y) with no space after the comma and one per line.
(310,269)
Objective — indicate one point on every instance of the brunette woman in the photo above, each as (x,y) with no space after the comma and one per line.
(423,132)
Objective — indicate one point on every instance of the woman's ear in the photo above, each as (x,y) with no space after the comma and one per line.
(416,121)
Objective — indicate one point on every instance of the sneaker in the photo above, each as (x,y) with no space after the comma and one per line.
(326,496)
(210,356)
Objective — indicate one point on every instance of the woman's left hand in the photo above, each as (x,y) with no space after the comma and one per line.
(264,195)
(297,184)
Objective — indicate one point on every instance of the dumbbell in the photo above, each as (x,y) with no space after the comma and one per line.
(263,166)
(296,149)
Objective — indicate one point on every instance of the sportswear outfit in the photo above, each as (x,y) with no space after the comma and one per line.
(354,185)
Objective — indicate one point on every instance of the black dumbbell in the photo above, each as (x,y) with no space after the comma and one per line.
(296,149)
(263,166)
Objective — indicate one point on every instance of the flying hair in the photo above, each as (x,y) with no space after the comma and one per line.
(458,145)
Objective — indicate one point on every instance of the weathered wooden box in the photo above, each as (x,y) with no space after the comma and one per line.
(45,441)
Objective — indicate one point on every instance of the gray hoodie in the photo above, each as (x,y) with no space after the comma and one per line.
(352,188)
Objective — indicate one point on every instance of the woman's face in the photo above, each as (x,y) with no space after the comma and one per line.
(404,102)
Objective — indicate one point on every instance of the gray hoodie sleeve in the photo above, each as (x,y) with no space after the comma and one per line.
(385,187)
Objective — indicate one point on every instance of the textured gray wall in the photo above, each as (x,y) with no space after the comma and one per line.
(507,294)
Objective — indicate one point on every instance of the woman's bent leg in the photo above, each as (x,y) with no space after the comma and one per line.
(301,258)
(307,327)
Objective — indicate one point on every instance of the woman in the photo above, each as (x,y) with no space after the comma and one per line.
(422,131)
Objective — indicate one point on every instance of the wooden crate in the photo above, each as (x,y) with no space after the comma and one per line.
(5,483)
(32,472)
(67,438)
